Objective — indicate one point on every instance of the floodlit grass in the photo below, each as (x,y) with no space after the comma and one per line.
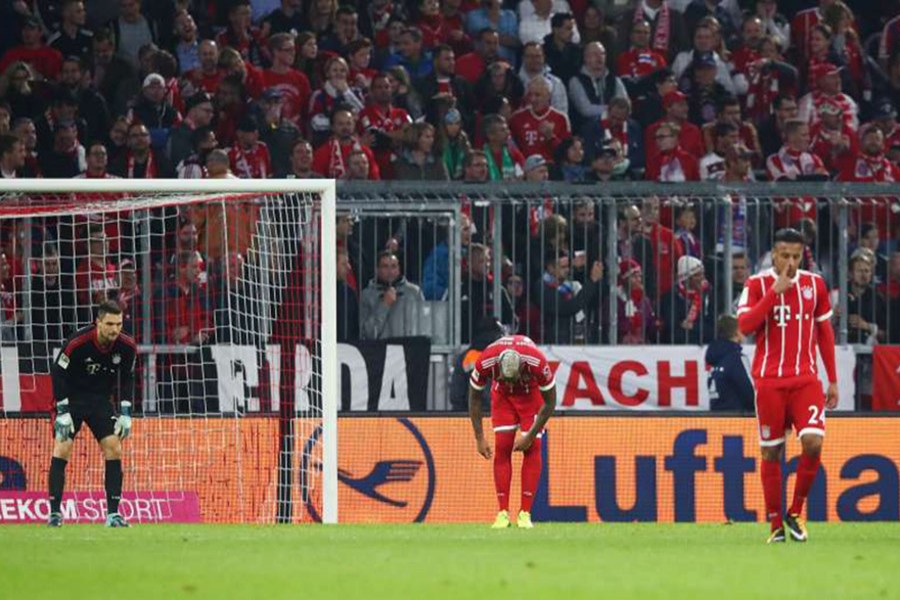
(596,561)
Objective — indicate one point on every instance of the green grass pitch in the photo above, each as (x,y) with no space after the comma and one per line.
(595,561)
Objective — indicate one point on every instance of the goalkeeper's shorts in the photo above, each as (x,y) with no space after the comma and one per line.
(98,414)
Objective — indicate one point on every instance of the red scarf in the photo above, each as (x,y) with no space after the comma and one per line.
(661,37)
(636,320)
(694,298)
(149,173)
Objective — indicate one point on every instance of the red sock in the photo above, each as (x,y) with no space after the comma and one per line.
(503,466)
(770,471)
(531,474)
(807,467)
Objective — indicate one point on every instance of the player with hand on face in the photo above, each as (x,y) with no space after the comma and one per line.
(94,361)
(523,397)
(789,312)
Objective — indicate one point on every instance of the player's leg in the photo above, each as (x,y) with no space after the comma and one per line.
(505,424)
(102,423)
(532,463)
(56,478)
(808,416)
(770,416)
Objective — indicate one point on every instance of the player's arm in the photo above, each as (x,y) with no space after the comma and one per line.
(60,375)
(755,306)
(825,340)
(547,387)
(476,384)
(126,394)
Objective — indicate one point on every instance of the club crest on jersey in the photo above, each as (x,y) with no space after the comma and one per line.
(116,359)
(765,432)
(807,292)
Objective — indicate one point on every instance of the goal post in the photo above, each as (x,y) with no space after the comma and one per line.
(252,372)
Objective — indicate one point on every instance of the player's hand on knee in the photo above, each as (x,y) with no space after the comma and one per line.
(484,448)
(123,423)
(523,442)
(63,427)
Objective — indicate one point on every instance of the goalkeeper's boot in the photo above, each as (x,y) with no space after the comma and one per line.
(502,520)
(776,536)
(523,521)
(55,520)
(116,520)
(796,526)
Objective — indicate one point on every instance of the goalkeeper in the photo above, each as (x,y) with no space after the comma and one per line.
(94,361)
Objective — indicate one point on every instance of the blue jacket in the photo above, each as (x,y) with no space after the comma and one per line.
(729,384)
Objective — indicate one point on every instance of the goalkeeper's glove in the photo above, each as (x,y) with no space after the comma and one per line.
(123,423)
(63,427)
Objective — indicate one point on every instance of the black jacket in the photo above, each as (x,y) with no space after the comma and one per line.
(728,382)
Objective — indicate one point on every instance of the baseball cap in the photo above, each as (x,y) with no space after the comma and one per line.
(820,70)
(248,123)
(452,117)
(704,59)
(627,268)
(196,100)
(272,94)
(153,78)
(674,97)
(534,161)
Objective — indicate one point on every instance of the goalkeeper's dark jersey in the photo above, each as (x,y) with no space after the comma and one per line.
(86,373)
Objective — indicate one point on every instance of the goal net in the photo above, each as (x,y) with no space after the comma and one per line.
(227,287)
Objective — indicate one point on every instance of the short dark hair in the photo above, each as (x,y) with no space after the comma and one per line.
(386,254)
(727,326)
(7,143)
(108,307)
(789,235)
(559,19)
(781,99)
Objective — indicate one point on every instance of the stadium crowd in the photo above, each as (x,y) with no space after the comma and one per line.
(502,90)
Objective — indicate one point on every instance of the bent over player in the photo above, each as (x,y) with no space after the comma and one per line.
(789,311)
(523,396)
(93,362)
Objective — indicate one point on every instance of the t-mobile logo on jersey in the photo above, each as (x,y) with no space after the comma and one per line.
(782,314)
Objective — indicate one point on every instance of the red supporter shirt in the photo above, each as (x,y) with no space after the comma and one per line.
(525,127)
(638,62)
(690,138)
(251,164)
(373,118)
(45,60)
(91,278)
(204,82)
(786,343)
(470,67)
(824,147)
(330,159)
(536,371)
(879,210)
(295,89)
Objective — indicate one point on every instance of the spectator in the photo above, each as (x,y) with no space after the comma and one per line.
(66,158)
(302,161)
(154,111)
(729,385)
(390,306)
(594,86)
(230,104)
(42,58)
(569,162)
(795,160)
(357,166)
(539,128)
(608,165)
(563,56)
(740,272)
(5,118)
(640,60)
(668,33)
(282,76)
(359,54)
(96,274)
(637,321)
(472,66)
(505,162)
(728,110)
(663,246)
(705,94)
(344,32)
(97,160)
(671,163)
(534,66)
(436,270)
(476,168)
(52,303)
(17,88)
(72,39)
(712,166)
(131,31)
(866,308)
(832,139)
(347,301)
(337,92)
(890,288)
(596,28)
(206,76)
(276,132)
(242,36)
(419,160)
(405,95)
(384,124)
(12,156)
(477,299)
(203,141)
(802,27)
(869,239)
(771,132)
(10,315)
(23,128)
(618,131)
(535,19)
(686,232)
(828,81)
(187,43)
(847,48)
(703,54)
(63,108)
(697,10)
(114,77)
(140,161)
(249,75)
(199,114)
(689,138)
(492,16)
(453,143)
(412,55)
(444,81)
(320,17)
(129,298)
(565,303)
(868,166)
(91,106)
(218,166)
(774,23)
(288,18)
(536,169)
(766,78)
(249,157)
(688,311)
(330,159)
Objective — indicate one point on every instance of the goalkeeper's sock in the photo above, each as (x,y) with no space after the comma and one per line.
(807,468)
(113,485)
(504,441)
(770,472)
(531,474)
(57,483)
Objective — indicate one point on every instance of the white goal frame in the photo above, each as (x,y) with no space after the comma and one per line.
(327,189)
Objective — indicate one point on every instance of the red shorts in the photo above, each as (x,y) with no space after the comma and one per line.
(511,412)
(781,403)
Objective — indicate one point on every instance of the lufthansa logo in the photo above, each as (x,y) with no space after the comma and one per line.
(396,484)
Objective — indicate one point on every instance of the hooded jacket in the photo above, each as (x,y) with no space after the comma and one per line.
(729,384)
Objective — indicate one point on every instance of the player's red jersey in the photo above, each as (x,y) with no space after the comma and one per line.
(525,126)
(295,89)
(786,344)
(536,372)
(251,164)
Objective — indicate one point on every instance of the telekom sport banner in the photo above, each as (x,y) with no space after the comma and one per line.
(654,377)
